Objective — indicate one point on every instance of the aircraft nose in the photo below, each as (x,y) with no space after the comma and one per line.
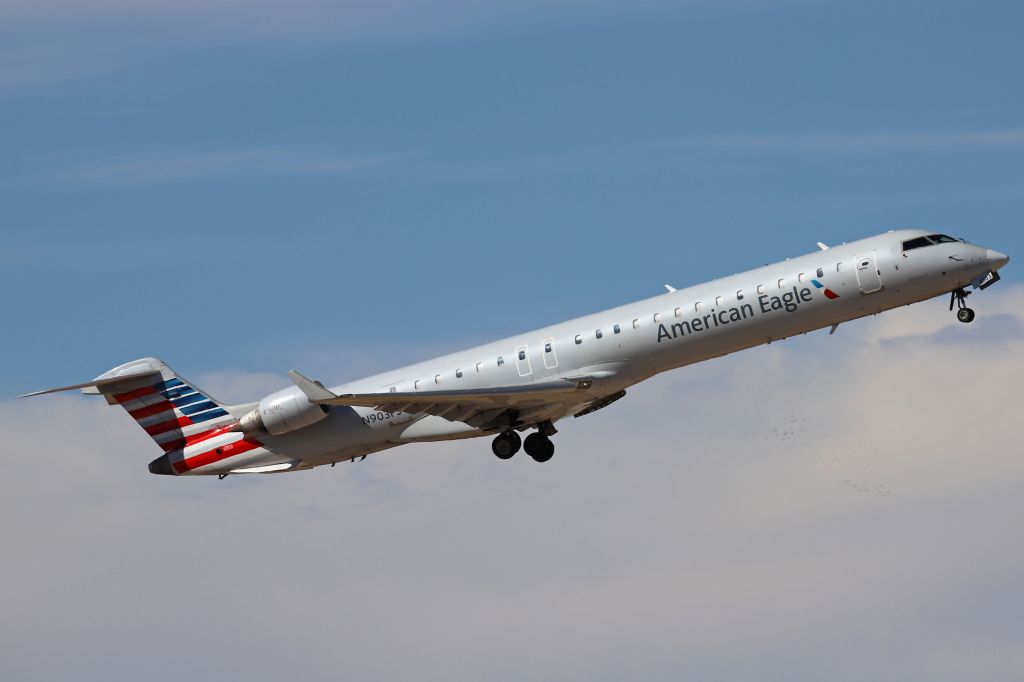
(996,259)
(162,465)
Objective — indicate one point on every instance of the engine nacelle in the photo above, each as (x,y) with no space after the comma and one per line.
(287,410)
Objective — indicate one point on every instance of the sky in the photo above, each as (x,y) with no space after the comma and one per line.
(343,187)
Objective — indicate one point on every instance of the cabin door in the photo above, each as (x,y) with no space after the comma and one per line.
(523,360)
(868,276)
(550,359)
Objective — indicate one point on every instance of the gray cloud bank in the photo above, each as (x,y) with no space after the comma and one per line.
(841,508)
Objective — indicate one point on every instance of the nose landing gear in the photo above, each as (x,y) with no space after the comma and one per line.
(958,297)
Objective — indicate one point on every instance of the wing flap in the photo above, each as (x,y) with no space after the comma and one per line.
(481,408)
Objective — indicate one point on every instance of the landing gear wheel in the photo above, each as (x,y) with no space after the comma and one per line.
(506,444)
(959,298)
(965,315)
(539,446)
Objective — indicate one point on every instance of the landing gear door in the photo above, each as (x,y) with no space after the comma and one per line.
(868,276)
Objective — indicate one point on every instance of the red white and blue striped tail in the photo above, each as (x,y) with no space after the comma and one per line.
(173,411)
(197,434)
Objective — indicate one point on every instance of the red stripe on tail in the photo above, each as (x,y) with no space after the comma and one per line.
(133,395)
(169,425)
(150,410)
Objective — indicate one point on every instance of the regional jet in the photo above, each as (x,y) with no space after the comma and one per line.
(528,382)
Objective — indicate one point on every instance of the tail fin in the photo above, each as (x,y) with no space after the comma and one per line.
(170,409)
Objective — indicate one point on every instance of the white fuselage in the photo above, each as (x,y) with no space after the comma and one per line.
(622,346)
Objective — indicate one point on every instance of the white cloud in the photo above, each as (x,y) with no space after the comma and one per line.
(844,504)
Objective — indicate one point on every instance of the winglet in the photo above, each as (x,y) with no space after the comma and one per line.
(823,246)
(670,288)
(314,390)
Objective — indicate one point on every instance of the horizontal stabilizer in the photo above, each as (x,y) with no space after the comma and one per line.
(95,383)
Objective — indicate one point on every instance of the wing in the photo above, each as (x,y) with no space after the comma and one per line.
(481,408)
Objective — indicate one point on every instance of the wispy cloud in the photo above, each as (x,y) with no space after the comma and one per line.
(852,142)
(68,39)
(195,166)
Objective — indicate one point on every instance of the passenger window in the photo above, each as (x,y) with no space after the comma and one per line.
(437,378)
(782,283)
(616,329)
(803,278)
(522,355)
(699,307)
(821,272)
(718,301)
(636,324)
(760,288)
(678,312)
(839,267)
(547,347)
(458,374)
(393,389)
(501,361)
(598,333)
(739,295)
(657,318)
(479,366)
(416,385)
(579,339)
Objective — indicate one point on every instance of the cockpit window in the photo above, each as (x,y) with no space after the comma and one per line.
(930,240)
(916,243)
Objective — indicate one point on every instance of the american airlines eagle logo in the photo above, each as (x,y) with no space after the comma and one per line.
(828,292)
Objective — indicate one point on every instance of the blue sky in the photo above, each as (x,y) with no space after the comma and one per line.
(245,189)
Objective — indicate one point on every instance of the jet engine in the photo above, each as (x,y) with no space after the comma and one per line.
(287,410)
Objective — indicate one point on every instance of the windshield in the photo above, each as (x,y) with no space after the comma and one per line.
(930,240)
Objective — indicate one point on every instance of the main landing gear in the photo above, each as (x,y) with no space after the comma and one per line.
(959,298)
(537,445)
(506,444)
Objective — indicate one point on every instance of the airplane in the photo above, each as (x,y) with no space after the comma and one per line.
(528,382)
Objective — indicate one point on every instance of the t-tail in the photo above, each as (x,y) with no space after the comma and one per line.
(198,434)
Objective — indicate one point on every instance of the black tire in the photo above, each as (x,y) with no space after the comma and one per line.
(505,445)
(965,315)
(539,447)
